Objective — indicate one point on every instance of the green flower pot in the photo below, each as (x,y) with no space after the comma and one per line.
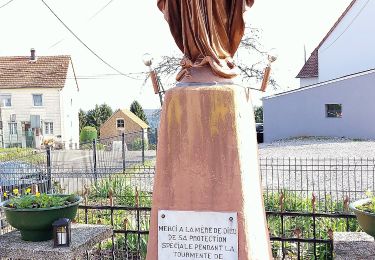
(36,224)
(365,219)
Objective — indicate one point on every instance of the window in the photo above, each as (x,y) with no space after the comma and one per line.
(48,128)
(12,128)
(37,100)
(120,123)
(334,110)
(5,100)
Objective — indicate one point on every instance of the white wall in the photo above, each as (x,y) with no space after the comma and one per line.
(69,109)
(302,112)
(303,82)
(22,106)
(351,46)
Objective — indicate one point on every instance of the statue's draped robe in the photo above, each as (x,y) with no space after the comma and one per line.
(208,32)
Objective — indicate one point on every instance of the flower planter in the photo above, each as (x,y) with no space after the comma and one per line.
(35,224)
(365,219)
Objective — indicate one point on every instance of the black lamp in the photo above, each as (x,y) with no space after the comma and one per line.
(61,232)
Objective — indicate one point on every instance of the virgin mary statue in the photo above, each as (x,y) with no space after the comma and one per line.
(208,32)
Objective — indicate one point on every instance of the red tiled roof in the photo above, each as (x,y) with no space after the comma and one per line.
(45,72)
(311,67)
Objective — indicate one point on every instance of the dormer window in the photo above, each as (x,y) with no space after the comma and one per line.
(5,100)
(37,100)
(120,123)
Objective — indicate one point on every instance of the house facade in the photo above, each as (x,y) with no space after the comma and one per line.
(38,101)
(335,108)
(336,93)
(346,49)
(124,121)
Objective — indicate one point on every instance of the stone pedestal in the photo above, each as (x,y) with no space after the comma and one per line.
(353,245)
(207,161)
(84,238)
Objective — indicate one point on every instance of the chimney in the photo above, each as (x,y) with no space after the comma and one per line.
(32,55)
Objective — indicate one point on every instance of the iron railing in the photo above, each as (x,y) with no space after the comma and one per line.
(306,200)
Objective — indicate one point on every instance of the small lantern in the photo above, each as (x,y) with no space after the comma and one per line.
(61,232)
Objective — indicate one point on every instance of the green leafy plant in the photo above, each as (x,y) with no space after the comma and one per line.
(136,145)
(124,193)
(37,200)
(297,202)
(369,206)
(21,154)
(89,146)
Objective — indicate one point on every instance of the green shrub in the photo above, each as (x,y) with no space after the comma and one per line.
(21,154)
(88,133)
(88,146)
(124,193)
(136,145)
(123,190)
(296,202)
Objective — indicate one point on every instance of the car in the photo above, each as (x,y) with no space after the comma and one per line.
(259,130)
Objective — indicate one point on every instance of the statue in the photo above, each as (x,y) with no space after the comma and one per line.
(208,32)
(206,162)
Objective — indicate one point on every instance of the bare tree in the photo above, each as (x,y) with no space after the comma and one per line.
(250,59)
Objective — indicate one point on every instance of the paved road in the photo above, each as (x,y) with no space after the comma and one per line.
(85,159)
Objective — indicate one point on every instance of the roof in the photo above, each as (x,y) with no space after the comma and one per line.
(321,84)
(135,118)
(131,116)
(311,67)
(45,72)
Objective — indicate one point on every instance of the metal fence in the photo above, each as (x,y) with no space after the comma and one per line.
(121,199)
(306,200)
(110,154)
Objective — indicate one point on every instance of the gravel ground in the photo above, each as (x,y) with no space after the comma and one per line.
(318,148)
(333,167)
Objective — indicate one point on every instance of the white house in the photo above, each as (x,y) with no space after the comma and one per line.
(38,101)
(337,84)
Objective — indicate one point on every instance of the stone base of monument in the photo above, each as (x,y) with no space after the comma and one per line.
(84,238)
(207,200)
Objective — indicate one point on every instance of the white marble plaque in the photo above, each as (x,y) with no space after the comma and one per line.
(197,235)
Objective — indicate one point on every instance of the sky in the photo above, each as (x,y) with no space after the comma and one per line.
(124,30)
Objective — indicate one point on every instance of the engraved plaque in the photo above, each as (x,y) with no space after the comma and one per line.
(197,235)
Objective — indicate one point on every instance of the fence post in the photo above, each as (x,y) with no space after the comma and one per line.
(94,159)
(143,146)
(123,152)
(49,177)
(156,139)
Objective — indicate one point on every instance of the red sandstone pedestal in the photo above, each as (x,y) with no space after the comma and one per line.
(207,161)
